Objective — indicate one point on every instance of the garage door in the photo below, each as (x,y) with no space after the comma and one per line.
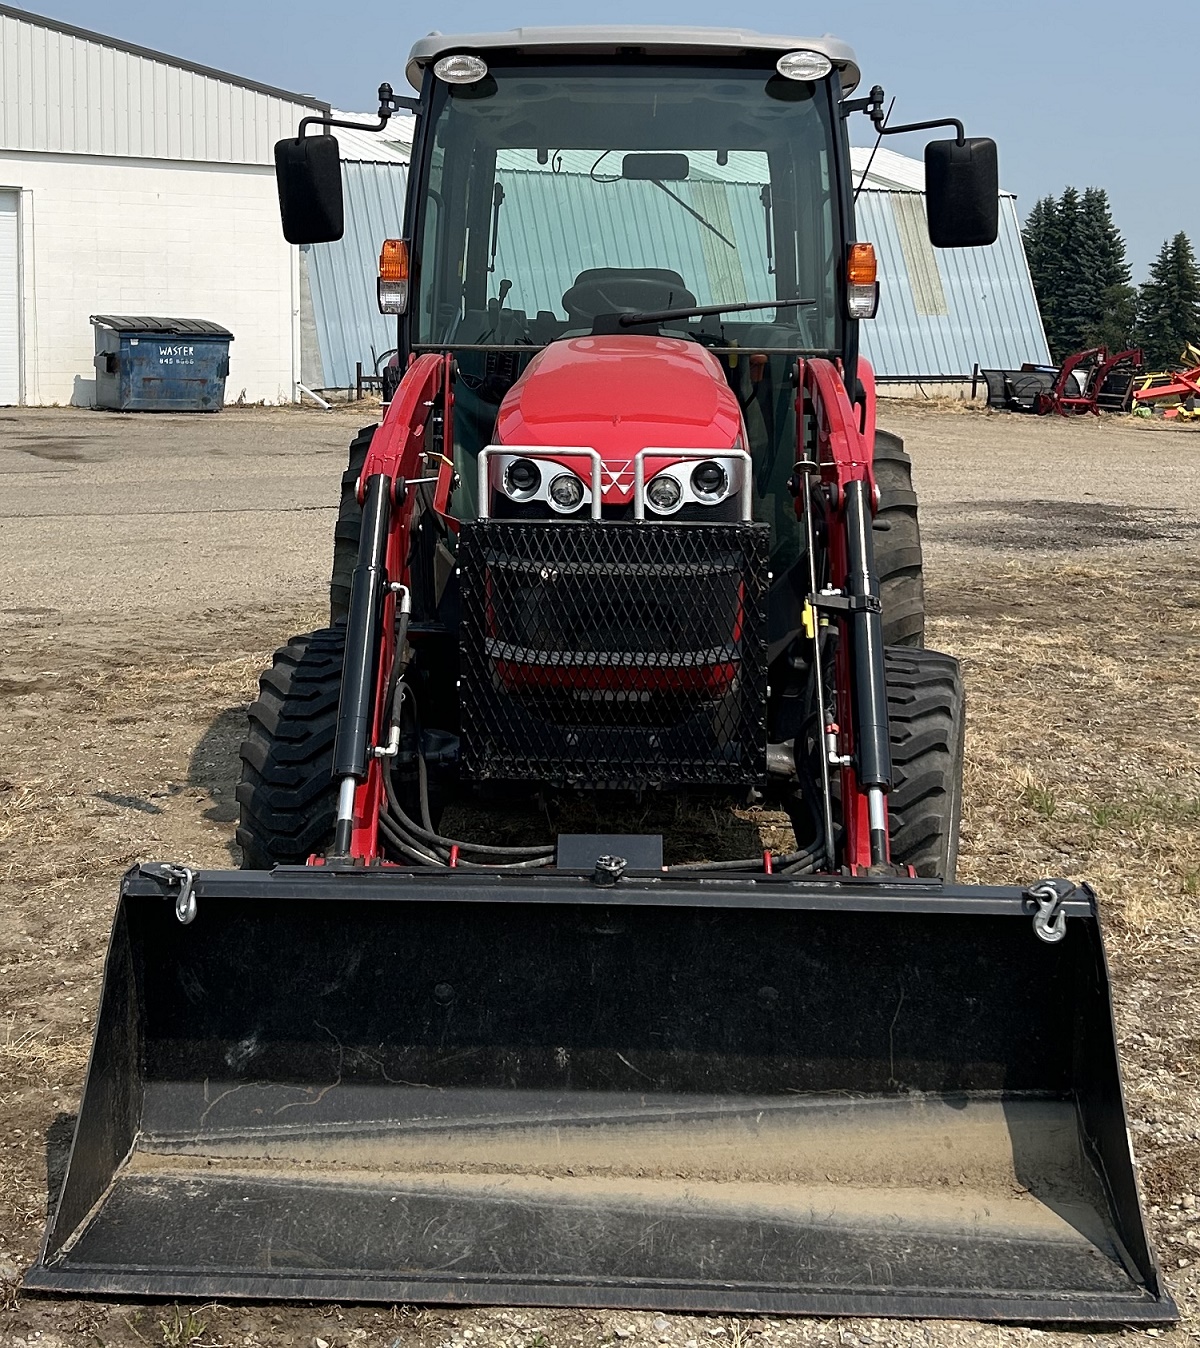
(10,351)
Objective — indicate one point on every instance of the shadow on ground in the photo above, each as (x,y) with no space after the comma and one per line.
(214,767)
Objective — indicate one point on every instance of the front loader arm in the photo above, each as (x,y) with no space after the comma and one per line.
(399,455)
(840,457)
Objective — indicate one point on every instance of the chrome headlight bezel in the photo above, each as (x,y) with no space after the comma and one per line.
(515,492)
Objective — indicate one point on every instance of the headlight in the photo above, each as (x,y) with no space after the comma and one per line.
(566,492)
(461,68)
(802,65)
(710,481)
(522,478)
(664,492)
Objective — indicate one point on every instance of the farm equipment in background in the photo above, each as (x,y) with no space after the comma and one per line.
(1092,381)
(627,531)
(1171,392)
(1089,381)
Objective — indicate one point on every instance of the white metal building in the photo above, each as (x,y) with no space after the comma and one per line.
(133,182)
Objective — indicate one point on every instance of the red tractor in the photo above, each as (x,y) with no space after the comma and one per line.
(627,529)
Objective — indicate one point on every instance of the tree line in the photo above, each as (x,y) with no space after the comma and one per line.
(1077,261)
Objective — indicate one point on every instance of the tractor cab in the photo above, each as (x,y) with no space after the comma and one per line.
(629,210)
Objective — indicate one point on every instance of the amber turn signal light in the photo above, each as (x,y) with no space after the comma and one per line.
(862,269)
(393,260)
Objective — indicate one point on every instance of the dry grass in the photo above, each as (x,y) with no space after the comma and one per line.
(38,1051)
(1083,751)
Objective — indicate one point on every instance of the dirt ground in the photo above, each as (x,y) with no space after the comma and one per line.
(148,567)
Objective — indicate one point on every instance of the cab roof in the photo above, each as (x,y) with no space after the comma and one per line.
(610,40)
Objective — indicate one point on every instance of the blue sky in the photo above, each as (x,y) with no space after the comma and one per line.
(1091,95)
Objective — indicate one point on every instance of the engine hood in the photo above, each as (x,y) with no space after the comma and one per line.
(618,395)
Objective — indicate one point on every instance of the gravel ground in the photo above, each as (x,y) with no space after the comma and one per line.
(148,566)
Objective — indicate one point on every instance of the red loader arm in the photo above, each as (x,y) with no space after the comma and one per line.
(399,456)
(842,452)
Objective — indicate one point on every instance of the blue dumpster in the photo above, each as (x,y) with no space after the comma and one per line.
(160,364)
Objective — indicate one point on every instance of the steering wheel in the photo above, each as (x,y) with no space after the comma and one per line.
(611,292)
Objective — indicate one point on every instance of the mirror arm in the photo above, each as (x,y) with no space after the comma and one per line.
(872,105)
(389,103)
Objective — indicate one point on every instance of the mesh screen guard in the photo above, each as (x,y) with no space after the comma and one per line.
(616,655)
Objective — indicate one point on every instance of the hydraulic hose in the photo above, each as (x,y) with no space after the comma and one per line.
(402,828)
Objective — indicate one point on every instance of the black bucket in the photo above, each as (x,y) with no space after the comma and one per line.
(738,1095)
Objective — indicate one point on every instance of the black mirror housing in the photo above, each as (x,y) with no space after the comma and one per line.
(962,192)
(308,172)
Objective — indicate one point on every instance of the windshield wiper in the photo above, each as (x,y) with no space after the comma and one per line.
(701,311)
(691,210)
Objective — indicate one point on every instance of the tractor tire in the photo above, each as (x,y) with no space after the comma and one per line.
(926,709)
(898,545)
(347,529)
(287,794)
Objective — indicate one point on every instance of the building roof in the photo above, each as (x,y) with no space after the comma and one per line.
(392,145)
(610,40)
(161,58)
(890,171)
(66,90)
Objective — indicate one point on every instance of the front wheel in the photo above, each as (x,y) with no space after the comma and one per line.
(287,794)
(926,711)
(898,557)
(347,528)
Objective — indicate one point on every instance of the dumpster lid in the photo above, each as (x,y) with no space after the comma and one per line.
(178,327)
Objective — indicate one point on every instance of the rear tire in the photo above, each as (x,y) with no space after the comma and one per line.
(348,528)
(287,794)
(926,709)
(898,559)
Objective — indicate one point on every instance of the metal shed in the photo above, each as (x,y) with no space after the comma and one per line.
(134,181)
(942,312)
(342,275)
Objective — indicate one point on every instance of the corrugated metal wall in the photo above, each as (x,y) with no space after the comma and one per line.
(942,311)
(74,93)
(342,275)
(552,221)
(988,315)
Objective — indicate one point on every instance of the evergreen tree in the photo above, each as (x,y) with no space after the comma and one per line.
(1041,252)
(1107,300)
(1077,261)
(1072,281)
(1168,304)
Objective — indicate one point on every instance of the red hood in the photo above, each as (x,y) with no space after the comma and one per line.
(618,395)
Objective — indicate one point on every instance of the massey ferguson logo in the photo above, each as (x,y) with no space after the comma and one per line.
(617,476)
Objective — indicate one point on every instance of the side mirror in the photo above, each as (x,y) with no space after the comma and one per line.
(962,192)
(308,171)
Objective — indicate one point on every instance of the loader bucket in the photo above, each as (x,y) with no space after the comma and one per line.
(886,1098)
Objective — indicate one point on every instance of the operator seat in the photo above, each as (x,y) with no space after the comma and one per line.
(605,289)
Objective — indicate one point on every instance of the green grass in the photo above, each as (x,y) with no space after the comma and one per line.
(1041,799)
(181,1329)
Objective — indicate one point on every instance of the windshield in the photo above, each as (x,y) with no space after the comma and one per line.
(555,196)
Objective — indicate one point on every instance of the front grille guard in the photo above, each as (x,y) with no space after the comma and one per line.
(625,656)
